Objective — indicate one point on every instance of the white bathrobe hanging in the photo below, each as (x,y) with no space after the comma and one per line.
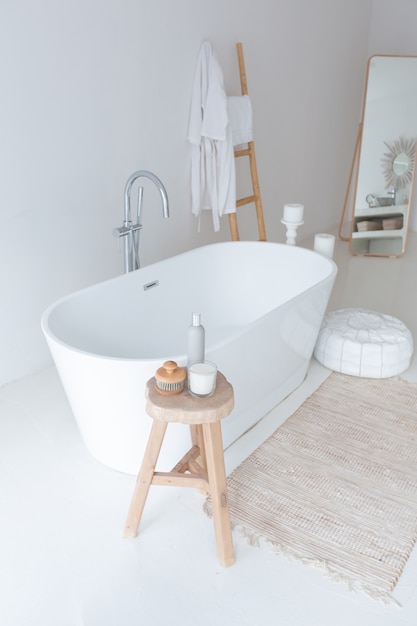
(213,177)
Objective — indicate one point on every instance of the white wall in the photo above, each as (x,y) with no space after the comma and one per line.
(93,89)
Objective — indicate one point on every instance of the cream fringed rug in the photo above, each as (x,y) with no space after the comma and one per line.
(336,485)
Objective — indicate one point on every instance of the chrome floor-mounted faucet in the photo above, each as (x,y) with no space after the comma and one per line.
(130,231)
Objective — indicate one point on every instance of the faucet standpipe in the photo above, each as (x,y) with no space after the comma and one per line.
(129,231)
(392,194)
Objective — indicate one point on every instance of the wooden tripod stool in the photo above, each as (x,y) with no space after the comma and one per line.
(201,467)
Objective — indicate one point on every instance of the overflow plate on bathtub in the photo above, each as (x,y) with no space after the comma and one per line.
(154,283)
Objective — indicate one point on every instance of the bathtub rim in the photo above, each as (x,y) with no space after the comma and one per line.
(51,336)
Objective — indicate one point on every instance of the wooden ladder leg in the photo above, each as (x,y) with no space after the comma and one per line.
(250,152)
(218,491)
(234,229)
(144,479)
(257,192)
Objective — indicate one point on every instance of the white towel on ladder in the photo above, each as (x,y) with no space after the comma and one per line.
(213,176)
(240,118)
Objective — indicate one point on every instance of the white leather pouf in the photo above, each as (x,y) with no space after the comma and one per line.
(364,343)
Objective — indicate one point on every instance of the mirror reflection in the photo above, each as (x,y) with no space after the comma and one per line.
(386,157)
(401,164)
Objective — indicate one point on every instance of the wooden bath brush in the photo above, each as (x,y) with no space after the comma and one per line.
(170,379)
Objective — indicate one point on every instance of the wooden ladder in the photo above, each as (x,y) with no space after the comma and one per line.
(247,152)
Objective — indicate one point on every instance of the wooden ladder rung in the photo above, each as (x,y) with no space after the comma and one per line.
(247,200)
(242,152)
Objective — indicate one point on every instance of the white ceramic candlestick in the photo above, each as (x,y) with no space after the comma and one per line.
(291,231)
(324,244)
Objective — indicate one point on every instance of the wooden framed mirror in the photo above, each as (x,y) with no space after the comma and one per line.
(384,159)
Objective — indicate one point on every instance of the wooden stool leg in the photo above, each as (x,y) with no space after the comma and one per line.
(197,439)
(144,479)
(218,491)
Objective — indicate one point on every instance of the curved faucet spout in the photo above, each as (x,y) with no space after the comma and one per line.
(129,231)
(158,184)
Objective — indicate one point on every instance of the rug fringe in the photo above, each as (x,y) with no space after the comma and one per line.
(336,577)
(254,539)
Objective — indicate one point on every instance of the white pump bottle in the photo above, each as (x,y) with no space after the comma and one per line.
(195,340)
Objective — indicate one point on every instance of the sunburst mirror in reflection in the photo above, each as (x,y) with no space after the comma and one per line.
(398,162)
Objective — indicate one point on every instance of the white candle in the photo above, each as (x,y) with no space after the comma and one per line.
(202,378)
(293,213)
(324,244)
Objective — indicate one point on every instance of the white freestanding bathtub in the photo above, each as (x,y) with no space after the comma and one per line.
(261,304)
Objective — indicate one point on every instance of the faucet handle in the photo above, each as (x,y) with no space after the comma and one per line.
(121,232)
(125,230)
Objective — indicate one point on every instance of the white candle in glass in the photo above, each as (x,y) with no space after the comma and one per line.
(293,213)
(202,378)
(324,244)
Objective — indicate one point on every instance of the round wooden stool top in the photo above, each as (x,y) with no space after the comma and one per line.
(185,408)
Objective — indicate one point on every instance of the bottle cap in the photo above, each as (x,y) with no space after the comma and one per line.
(196,319)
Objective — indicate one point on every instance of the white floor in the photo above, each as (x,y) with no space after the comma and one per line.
(63,561)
